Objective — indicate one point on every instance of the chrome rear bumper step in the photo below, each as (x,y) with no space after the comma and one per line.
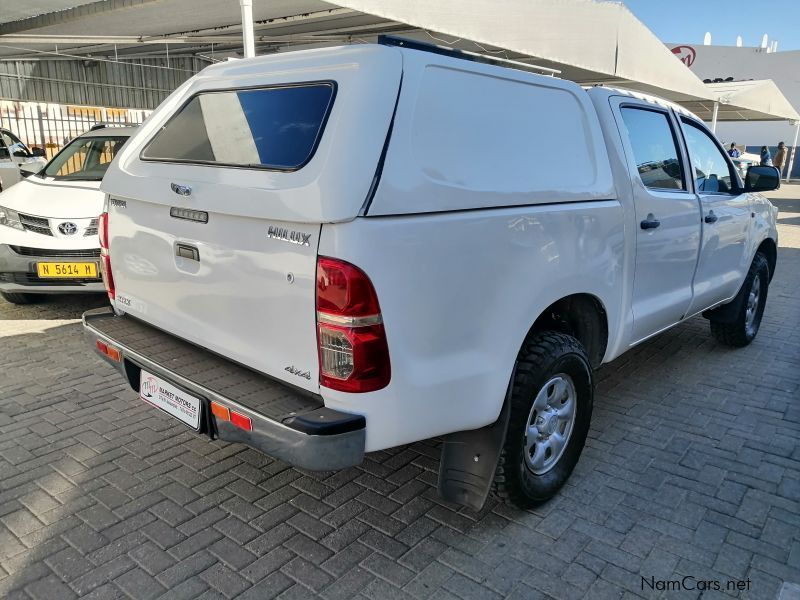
(288,424)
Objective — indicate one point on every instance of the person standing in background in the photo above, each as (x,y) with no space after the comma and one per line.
(733,151)
(780,157)
(766,157)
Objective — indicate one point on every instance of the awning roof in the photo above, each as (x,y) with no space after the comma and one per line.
(757,100)
(589,42)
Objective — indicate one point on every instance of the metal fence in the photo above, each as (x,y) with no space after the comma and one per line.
(140,84)
(48,127)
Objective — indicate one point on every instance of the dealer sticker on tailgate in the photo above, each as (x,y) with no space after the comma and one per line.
(170,399)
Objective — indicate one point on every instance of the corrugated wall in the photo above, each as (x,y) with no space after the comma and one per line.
(140,84)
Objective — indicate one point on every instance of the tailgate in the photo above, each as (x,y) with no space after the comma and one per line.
(217,203)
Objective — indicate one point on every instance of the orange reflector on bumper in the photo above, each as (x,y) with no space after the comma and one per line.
(111,352)
(221,412)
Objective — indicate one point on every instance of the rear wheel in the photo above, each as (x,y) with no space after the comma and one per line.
(743,327)
(551,406)
(18,298)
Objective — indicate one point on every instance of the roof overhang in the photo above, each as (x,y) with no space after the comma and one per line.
(757,100)
(589,42)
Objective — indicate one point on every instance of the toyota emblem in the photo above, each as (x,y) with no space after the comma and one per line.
(68,228)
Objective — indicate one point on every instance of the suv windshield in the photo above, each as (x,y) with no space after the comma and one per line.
(84,159)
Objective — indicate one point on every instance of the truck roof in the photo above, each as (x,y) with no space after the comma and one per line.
(110,131)
(657,100)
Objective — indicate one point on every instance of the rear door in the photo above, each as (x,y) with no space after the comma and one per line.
(723,260)
(667,217)
(216,204)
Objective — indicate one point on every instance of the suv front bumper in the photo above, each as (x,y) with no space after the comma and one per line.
(288,424)
(18,274)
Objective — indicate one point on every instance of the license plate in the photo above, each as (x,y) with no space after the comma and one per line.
(58,270)
(170,399)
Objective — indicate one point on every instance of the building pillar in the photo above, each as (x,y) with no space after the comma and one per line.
(247,28)
(714,117)
(794,150)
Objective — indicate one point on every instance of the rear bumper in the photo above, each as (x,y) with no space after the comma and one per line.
(18,275)
(287,424)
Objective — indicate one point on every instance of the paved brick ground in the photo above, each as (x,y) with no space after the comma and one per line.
(692,468)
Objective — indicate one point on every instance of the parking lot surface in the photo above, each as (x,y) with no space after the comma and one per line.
(691,474)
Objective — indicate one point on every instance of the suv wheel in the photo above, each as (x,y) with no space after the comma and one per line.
(18,298)
(751,299)
(551,406)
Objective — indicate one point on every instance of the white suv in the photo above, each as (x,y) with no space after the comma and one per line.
(331,252)
(48,222)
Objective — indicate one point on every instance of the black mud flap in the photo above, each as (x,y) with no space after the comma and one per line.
(469,460)
(726,313)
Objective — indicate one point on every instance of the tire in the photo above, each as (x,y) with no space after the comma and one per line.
(18,298)
(551,367)
(742,328)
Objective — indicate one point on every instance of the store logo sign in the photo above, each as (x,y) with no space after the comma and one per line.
(686,54)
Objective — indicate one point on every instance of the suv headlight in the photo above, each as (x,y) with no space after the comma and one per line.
(10,218)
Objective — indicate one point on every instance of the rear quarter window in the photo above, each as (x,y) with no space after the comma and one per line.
(274,128)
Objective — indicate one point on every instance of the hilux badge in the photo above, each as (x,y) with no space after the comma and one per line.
(181,190)
(287,235)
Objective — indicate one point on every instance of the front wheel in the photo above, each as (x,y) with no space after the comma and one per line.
(749,302)
(18,298)
(550,411)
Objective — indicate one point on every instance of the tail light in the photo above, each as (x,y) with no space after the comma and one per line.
(353,353)
(105,258)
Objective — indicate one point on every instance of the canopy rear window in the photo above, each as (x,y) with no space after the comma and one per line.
(269,128)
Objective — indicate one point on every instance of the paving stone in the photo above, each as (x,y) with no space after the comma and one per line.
(307,574)
(49,588)
(271,562)
(225,580)
(186,568)
(151,558)
(138,584)
(104,498)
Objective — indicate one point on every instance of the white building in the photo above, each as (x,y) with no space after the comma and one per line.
(740,63)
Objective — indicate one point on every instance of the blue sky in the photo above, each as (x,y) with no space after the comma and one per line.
(688,20)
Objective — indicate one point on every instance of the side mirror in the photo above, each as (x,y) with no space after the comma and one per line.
(38,152)
(762,179)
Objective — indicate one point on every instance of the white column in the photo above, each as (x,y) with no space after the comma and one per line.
(794,149)
(247,28)
(714,117)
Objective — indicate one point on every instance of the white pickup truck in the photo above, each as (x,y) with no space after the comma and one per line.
(336,251)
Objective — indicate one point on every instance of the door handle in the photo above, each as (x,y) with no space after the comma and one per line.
(711,217)
(650,223)
(187,251)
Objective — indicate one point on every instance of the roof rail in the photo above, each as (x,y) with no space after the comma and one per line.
(391,40)
(105,124)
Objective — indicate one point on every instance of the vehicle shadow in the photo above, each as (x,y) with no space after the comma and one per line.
(56,306)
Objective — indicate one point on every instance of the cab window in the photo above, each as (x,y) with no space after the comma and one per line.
(712,171)
(654,147)
(15,145)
